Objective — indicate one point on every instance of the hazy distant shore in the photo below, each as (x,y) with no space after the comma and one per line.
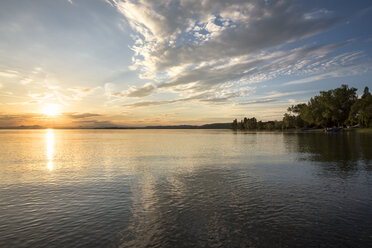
(205,126)
(226,126)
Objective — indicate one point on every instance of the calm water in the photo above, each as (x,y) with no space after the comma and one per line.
(184,188)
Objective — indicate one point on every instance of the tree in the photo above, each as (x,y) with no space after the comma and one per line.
(269,126)
(278,125)
(260,125)
(330,108)
(234,125)
(289,121)
(361,110)
(366,93)
(295,118)
(335,107)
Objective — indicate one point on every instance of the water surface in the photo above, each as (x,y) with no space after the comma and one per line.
(184,188)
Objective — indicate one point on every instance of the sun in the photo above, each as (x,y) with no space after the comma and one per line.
(51,109)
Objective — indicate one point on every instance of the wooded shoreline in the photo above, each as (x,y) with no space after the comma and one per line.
(337,108)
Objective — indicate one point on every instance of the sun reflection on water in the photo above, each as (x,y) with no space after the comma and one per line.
(50,148)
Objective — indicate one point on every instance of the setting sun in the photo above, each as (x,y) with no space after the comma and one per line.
(51,109)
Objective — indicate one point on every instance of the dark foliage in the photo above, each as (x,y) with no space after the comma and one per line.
(333,108)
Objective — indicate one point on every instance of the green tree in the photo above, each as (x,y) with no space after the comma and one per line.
(361,110)
(269,126)
(330,108)
(337,104)
(289,121)
(278,125)
(296,116)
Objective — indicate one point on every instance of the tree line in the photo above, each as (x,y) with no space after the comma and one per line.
(339,107)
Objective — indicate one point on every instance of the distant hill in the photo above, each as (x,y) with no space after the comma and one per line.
(216,126)
(206,126)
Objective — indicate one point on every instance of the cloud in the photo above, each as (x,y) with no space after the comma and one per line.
(146,90)
(149,103)
(109,89)
(25,102)
(190,47)
(259,101)
(109,2)
(81,116)
(269,65)
(43,86)
(66,120)
(230,29)
(13,120)
(199,37)
(61,95)
(156,103)
(7,117)
(80,92)
(26,81)
(353,70)
(272,96)
(205,97)
(93,124)
(9,74)
(133,91)
(40,96)
(281,94)
(311,79)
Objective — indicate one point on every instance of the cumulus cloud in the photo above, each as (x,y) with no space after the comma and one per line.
(192,46)
(198,45)
(231,28)
(189,33)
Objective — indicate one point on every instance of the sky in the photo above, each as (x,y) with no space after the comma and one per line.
(96,63)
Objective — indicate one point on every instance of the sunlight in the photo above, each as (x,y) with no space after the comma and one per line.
(50,165)
(50,148)
(51,109)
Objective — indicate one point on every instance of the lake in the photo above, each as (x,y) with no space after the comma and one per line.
(184,188)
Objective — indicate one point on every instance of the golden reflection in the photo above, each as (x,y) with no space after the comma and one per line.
(50,148)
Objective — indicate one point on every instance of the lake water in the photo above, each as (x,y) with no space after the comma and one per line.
(184,188)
